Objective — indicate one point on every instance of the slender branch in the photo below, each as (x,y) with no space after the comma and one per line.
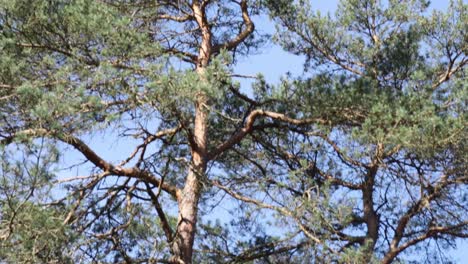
(186,56)
(431,232)
(249,28)
(95,158)
(451,70)
(162,216)
(149,139)
(415,209)
(260,204)
(250,255)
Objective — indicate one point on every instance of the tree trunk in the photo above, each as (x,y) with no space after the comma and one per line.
(187,220)
(370,216)
(188,200)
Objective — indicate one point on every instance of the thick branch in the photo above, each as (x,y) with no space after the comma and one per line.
(248,127)
(183,18)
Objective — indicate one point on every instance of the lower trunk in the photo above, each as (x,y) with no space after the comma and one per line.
(186,225)
(182,248)
(370,216)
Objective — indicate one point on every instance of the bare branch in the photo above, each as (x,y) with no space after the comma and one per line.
(260,204)
(431,232)
(183,18)
(249,28)
(248,127)
(95,158)
(162,216)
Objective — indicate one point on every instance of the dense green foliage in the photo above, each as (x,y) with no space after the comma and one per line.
(360,160)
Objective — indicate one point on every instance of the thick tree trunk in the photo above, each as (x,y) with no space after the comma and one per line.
(186,226)
(188,200)
(370,216)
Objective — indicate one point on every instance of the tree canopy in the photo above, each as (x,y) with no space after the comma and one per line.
(361,159)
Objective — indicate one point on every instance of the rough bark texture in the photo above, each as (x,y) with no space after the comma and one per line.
(368,204)
(188,201)
(370,215)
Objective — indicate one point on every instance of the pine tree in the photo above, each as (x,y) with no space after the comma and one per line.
(361,160)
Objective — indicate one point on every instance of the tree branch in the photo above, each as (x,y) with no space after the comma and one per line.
(431,232)
(249,28)
(260,204)
(248,128)
(94,158)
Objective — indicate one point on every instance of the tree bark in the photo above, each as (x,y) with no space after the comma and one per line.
(188,201)
(370,216)
(187,220)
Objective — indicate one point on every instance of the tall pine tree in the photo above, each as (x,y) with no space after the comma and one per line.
(360,160)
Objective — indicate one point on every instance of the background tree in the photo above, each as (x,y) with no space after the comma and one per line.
(359,162)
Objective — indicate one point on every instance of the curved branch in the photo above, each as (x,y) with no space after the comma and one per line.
(249,28)
(248,128)
(263,205)
(432,232)
(414,210)
(94,158)
(451,70)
